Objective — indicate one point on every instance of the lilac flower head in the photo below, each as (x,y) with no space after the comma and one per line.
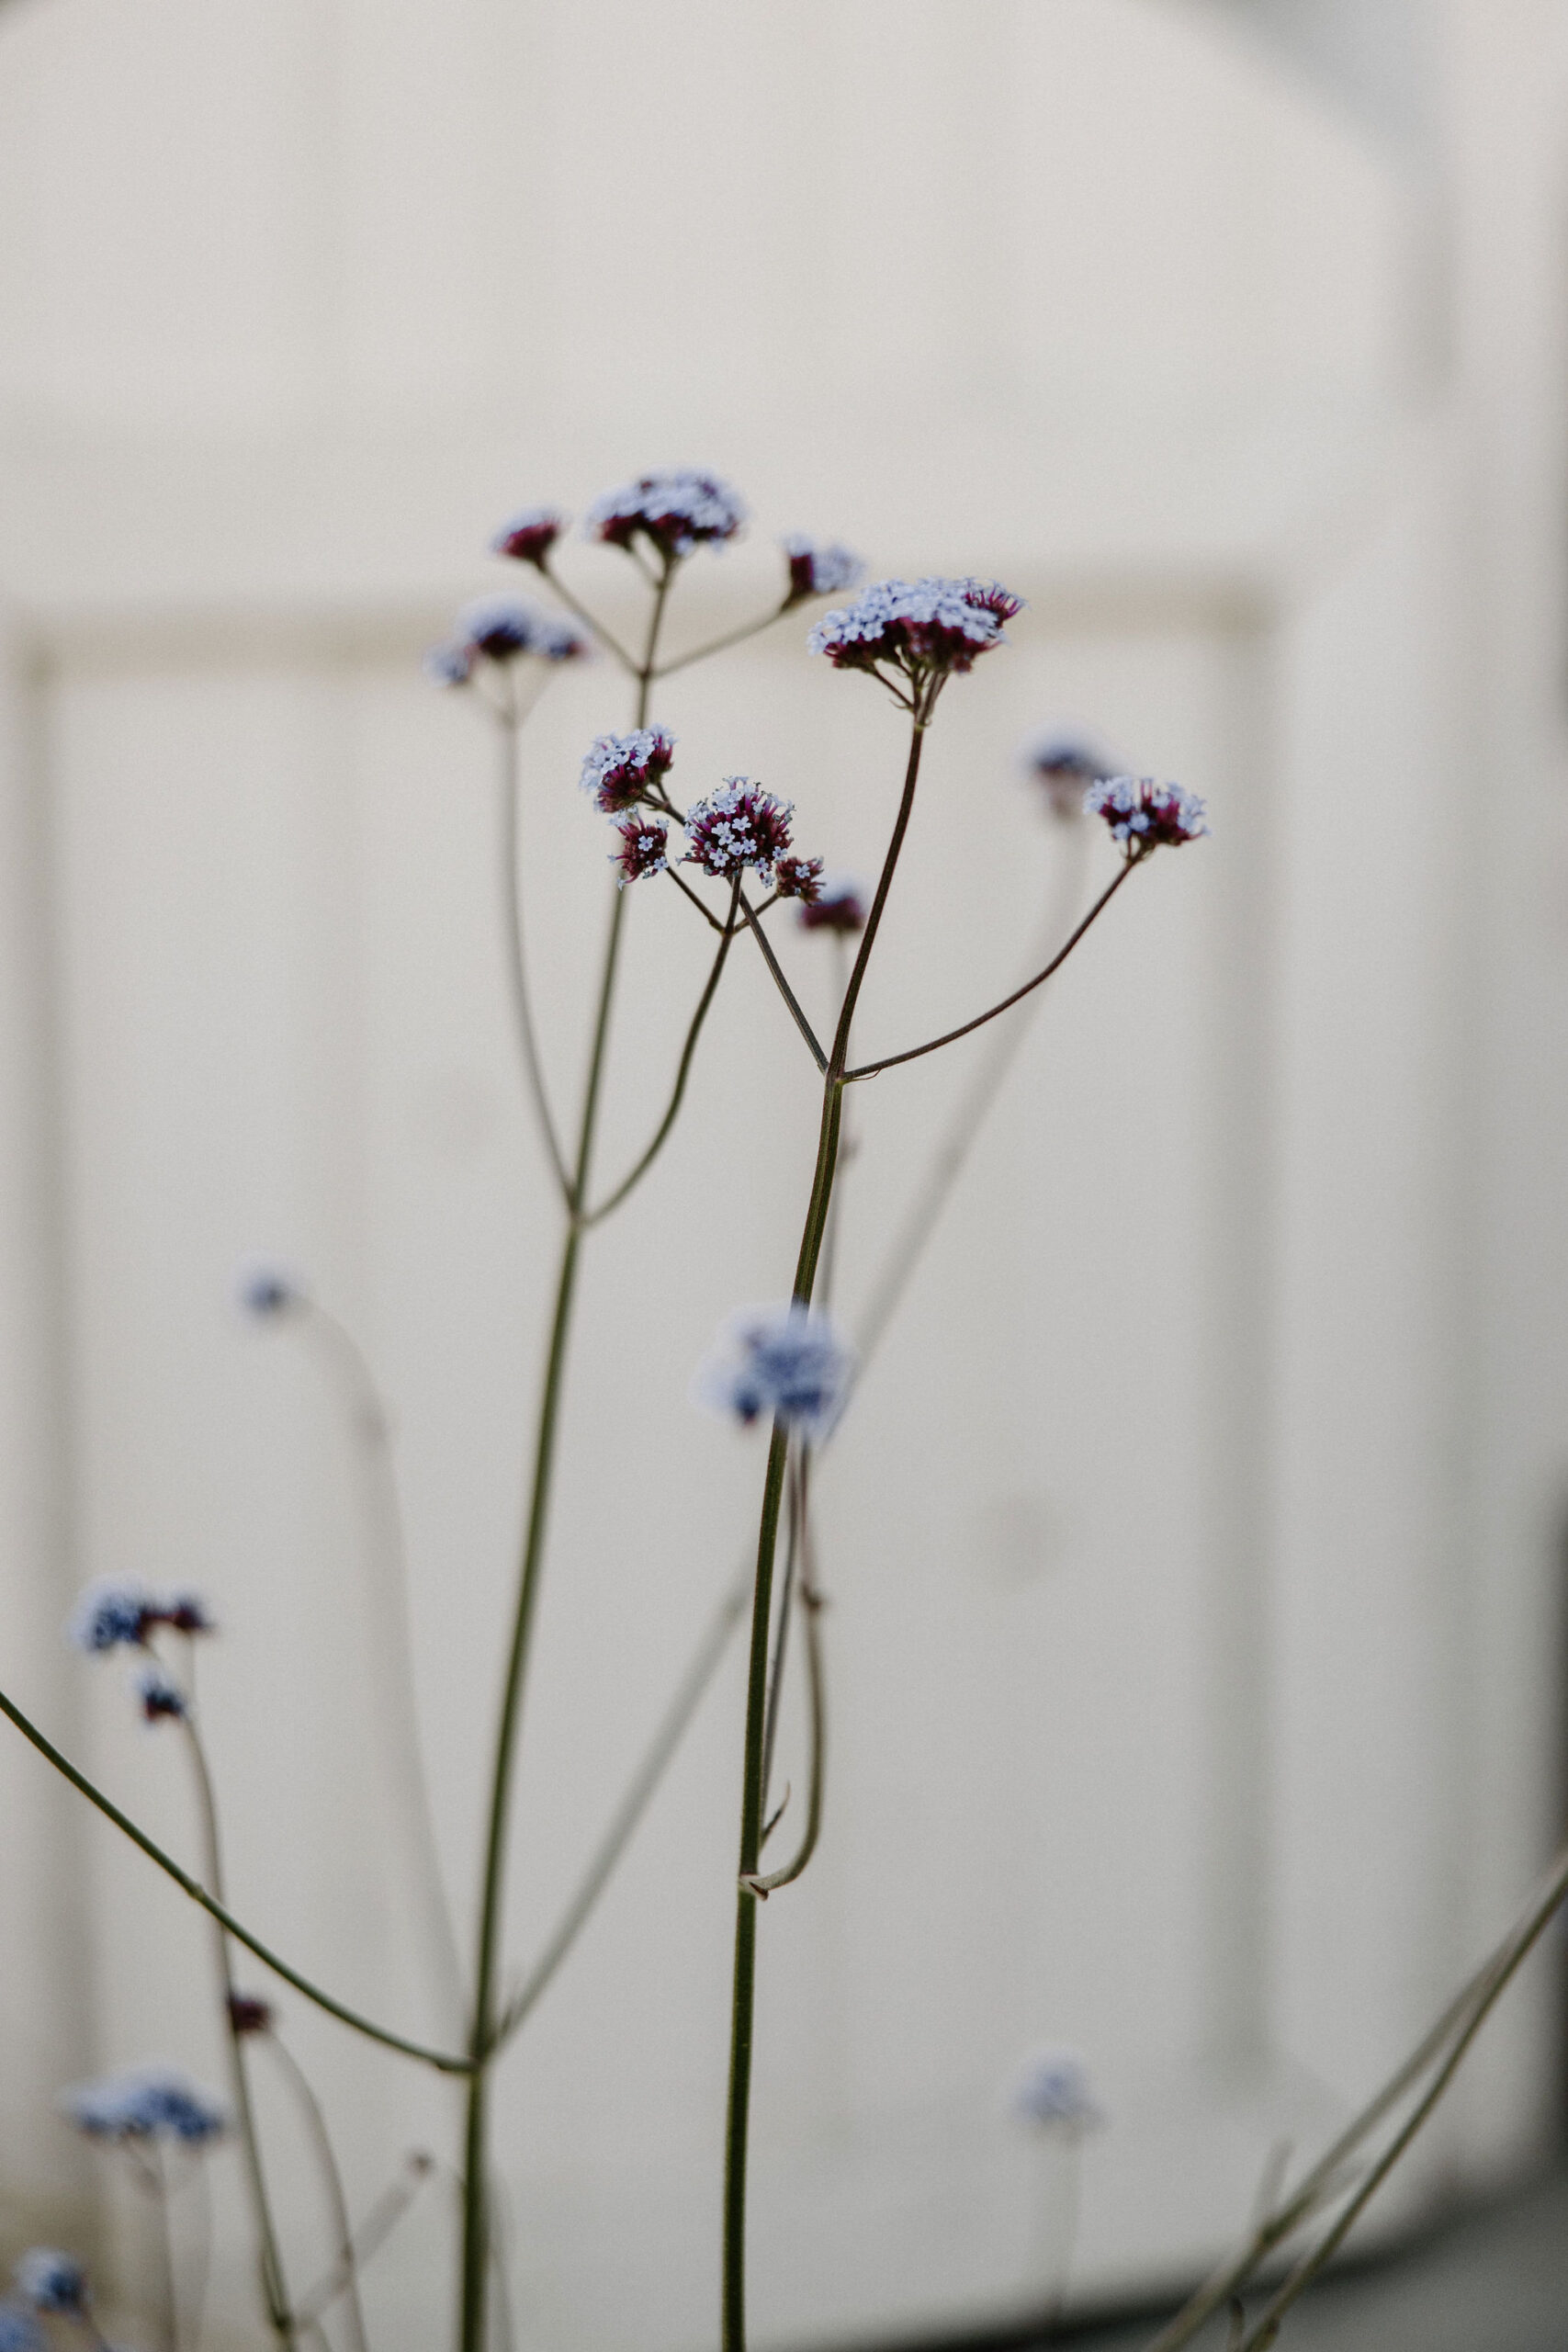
(620,769)
(674,511)
(266,1289)
(1144,815)
(1050,2090)
(19,2332)
(160,1698)
(798,877)
(818,570)
(50,2280)
(1066,767)
(644,850)
(529,537)
(737,827)
(840,905)
(785,1362)
(927,629)
(146,2103)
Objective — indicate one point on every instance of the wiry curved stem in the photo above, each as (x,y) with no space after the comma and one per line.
(508,730)
(445,2062)
(315,2121)
(815,1689)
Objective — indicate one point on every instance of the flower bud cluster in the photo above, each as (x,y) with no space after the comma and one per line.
(925,629)
(160,1698)
(644,850)
(1066,767)
(529,537)
(1144,815)
(738,829)
(146,2103)
(818,570)
(621,770)
(50,2280)
(839,906)
(786,1364)
(120,1613)
(501,629)
(674,511)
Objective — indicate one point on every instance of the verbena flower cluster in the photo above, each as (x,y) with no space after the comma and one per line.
(786,1364)
(621,770)
(1052,2089)
(919,626)
(501,630)
(120,1613)
(644,849)
(269,1290)
(529,537)
(1144,815)
(739,828)
(160,1698)
(1066,767)
(818,570)
(52,2281)
(839,905)
(249,2014)
(675,511)
(146,2103)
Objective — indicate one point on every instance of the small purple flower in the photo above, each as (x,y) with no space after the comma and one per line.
(840,905)
(502,629)
(644,850)
(786,1364)
(1050,2090)
(621,769)
(19,2332)
(1144,815)
(927,630)
(146,2103)
(818,570)
(158,1698)
(798,877)
(120,1611)
(50,2280)
(739,825)
(529,537)
(266,1289)
(248,2014)
(674,511)
(1066,767)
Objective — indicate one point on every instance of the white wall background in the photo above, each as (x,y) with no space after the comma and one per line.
(1193,1552)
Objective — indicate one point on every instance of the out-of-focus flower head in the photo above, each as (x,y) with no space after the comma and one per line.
(248,2013)
(739,825)
(120,1611)
(924,630)
(19,2331)
(265,1289)
(787,1363)
(1050,2091)
(160,1700)
(1066,767)
(1144,815)
(529,537)
(504,630)
(818,570)
(146,2103)
(840,905)
(798,877)
(644,849)
(50,2280)
(621,769)
(674,511)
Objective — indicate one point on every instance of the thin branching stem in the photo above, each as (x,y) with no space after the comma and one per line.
(591,621)
(732,637)
(780,1645)
(445,2062)
(684,1069)
(158,2185)
(269,2254)
(706,912)
(815,1693)
(315,2122)
(951,1037)
(716,1640)
(796,1012)
(371,2236)
(509,781)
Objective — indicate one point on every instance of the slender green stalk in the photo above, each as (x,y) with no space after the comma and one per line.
(269,2257)
(168,2286)
(796,1011)
(445,2062)
(482,2032)
(332,2182)
(371,2236)
(508,724)
(811,1606)
(743,1999)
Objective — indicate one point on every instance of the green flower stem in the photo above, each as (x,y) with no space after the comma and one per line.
(269,2258)
(509,729)
(482,2040)
(443,2061)
(331,2183)
(743,2000)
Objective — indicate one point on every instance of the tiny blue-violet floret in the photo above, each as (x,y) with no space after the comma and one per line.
(787,1363)
(1050,2091)
(52,2281)
(1144,815)
(146,2103)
